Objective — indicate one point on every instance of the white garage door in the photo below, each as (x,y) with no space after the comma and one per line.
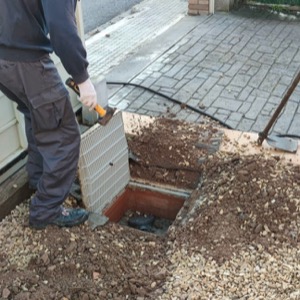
(11,132)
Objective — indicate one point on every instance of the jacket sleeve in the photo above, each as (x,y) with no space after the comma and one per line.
(64,37)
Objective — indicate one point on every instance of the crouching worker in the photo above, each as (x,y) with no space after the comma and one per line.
(29,32)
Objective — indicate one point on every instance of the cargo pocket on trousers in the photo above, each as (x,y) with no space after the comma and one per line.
(47,108)
(48,116)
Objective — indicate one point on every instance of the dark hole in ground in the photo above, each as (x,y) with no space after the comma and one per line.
(146,222)
(145,209)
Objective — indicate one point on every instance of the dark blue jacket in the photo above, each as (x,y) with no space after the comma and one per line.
(31,28)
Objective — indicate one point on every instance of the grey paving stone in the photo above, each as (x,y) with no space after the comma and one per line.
(167,92)
(204,73)
(259,77)
(245,125)
(244,69)
(154,113)
(121,94)
(165,81)
(181,83)
(156,104)
(246,105)
(256,56)
(195,50)
(229,104)
(182,72)
(255,108)
(135,93)
(193,85)
(265,49)
(297,56)
(227,57)
(241,58)
(268,59)
(229,93)
(195,62)
(247,52)
(148,82)
(274,100)
(280,90)
(156,75)
(183,114)
(252,71)
(286,80)
(224,81)
(156,67)
(174,109)
(193,118)
(211,64)
(253,63)
(225,68)
(234,69)
(224,111)
(269,82)
(195,102)
(236,116)
(212,95)
(208,84)
(182,59)
(295,125)
(183,96)
(141,100)
(193,73)
(211,111)
(287,56)
(221,117)
(122,105)
(260,123)
(232,124)
(245,93)
(285,119)
(166,68)
(269,109)
(240,80)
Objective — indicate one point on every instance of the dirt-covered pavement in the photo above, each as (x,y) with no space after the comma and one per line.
(235,238)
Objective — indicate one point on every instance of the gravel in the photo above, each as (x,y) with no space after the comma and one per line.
(237,237)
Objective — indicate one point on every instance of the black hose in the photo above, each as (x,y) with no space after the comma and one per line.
(182,104)
(189,106)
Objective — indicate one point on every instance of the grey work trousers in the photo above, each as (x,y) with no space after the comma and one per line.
(51,129)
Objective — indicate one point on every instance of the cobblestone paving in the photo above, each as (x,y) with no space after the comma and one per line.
(235,66)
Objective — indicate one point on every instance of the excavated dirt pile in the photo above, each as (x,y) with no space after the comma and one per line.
(235,238)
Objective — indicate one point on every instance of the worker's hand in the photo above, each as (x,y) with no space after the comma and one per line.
(88,95)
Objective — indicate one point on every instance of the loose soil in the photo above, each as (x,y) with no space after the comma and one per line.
(238,203)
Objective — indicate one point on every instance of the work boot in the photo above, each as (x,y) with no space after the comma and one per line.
(69,217)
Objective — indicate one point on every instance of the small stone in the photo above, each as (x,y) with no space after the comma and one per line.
(5,293)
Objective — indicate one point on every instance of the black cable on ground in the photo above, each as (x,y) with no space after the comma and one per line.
(182,104)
